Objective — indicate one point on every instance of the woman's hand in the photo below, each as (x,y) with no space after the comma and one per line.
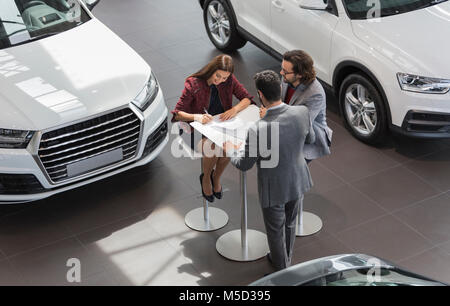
(262,112)
(203,118)
(228,114)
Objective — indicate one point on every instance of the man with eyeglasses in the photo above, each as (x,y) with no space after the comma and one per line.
(301,87)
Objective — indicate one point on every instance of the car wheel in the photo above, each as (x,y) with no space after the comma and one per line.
(221,27)
(363,109)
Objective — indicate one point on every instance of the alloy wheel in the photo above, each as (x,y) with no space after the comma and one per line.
(360,110)
(218,23)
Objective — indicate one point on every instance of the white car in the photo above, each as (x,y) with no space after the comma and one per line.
(77,103)
(387,61)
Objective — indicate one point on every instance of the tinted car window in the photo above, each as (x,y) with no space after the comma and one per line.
(363,9)
(371,277)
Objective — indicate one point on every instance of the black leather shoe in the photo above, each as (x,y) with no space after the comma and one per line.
(219,194)
(209,198)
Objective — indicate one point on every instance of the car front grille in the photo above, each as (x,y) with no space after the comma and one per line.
(91,138)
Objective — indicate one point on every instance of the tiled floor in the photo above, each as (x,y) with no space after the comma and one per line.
(391,201)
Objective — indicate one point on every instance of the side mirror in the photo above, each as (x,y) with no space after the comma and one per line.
(91,3)
(318,5)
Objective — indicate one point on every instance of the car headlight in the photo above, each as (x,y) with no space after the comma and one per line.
(14,139)
(421,84)
(147,94)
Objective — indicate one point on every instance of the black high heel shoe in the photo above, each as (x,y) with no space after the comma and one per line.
(209,198)
(219,194)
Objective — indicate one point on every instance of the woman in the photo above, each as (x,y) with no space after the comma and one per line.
(207,93)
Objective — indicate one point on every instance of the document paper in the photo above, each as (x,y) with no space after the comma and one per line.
(233,130)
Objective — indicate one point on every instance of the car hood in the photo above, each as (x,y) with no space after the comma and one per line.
(416,41)
(67,77)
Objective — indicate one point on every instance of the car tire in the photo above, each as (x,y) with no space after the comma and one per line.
(363,109)
(221,27)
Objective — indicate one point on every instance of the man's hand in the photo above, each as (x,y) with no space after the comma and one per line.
(262,112)
(230,147)
(228,114)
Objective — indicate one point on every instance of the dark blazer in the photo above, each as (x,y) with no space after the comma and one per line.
(196,95)
(285,177)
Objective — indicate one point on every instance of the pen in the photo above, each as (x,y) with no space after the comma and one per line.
(206,111)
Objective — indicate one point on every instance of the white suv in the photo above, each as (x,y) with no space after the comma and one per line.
(77,103)
(386,60)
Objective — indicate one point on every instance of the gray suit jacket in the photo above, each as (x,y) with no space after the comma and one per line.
(314,98)
(283,176)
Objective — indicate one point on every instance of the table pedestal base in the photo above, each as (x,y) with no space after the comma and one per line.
(310,224)
(216,219)
(230,245)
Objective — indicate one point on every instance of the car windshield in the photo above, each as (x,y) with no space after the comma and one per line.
(366,9)
(371,277)
(22,21)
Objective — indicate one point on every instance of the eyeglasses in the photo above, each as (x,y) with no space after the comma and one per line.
(287,72)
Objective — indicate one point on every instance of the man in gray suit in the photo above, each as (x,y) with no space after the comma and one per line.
(300,87)
(281,185)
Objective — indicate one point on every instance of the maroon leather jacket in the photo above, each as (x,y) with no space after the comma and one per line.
(196,95)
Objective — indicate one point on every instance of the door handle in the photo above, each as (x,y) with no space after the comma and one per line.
(278,5)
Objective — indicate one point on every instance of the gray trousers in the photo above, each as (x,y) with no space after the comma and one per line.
(280,222)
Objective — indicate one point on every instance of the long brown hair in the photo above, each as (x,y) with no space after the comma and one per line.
(221,62)
(303,65)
